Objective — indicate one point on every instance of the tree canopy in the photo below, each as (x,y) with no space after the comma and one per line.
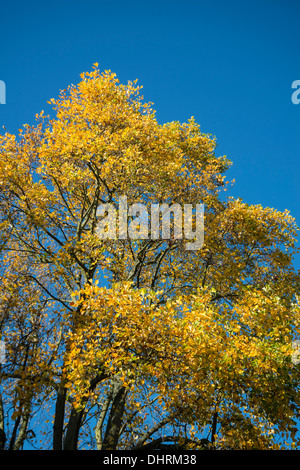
(139,343)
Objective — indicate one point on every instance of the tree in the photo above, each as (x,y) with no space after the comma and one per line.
(139,343)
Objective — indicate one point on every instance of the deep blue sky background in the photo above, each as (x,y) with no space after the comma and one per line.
(230,64)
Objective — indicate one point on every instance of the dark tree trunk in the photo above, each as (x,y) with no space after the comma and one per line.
(71,439)
(58,426)
(111,437)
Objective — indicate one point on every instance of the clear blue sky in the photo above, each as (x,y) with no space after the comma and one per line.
(230,64)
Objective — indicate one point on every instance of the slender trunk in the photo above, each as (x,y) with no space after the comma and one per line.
(2,431)
(58,426)
(75,419)
(71,438)
(19,432)
(214,429)
(111,437)
(14,433)
(99,425)
(23,429)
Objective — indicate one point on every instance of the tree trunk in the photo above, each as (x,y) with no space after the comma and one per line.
(75,420)
(111,437)
(2,431)
(59,419)
(71,439)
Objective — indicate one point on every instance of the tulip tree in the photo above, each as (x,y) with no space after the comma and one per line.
(139,343)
